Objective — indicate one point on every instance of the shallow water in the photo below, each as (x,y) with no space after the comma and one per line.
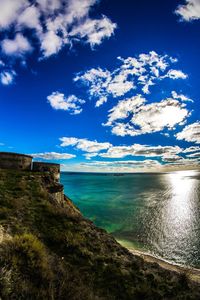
(157,213)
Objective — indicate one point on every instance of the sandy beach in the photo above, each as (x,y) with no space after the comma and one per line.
(192,273)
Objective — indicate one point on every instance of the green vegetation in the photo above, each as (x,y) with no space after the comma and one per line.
(49,251)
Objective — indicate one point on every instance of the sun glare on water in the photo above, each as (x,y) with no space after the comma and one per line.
(178,213)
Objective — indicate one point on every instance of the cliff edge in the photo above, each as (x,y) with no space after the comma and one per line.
(48,250)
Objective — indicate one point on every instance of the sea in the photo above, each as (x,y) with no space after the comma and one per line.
(158,213)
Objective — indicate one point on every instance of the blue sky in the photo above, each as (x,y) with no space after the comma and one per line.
(101,85)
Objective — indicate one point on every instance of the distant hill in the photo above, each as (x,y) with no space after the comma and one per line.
(48,250)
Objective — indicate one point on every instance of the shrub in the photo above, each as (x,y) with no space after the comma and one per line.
(25,268)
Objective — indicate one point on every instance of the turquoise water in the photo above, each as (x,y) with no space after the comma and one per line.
(157,213)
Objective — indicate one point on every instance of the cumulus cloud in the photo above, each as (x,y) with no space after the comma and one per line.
(191,149)
(132,73)
(125,108)
(183,162)
(175,74)
(72,104)
(30,17)
(197,154)
(181,97)
(55,23)
(141,150)
(189,11)
(53,156)
(7,77)
(132,166)
(47,26)
(84,144)
(191,133)
(149,157)
(107,150)
(141,165)
(17,46)
(51,43)
(170,158)
(94,31)
(90,155)
(145,118)
(9,11)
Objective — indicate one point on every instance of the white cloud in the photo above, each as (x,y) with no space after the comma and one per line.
(143,164)
(17,46)
(53,156)
(49,6)
(181,97)
(175,74)
(84,144)
(141,150)
(191,149)
(156,116)
(197,154)
(76,10)
(171,158)
(147,118)
(183,162)
(68,141)
(51,43)
(7,77)
(97,81)
(10,10)
(101,101)
(90,155)
(189,11)
(119,85)
(94,148)
(71,103)
(44,27)
(166,134)
(30,18)
(122,166)
(124,108)
(94,31)
(191,133)
(91,146)
(132,166)
(54,24)
(132,73)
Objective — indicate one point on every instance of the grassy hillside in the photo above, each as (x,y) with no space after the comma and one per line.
(50,251)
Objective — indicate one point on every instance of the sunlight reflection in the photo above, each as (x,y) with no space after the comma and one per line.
(182,190)
(179,211)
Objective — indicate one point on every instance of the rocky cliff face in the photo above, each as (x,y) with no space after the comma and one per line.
(48,250)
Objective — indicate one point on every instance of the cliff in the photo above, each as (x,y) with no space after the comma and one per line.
(48,250)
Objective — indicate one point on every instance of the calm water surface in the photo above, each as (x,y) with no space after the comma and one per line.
(157,213)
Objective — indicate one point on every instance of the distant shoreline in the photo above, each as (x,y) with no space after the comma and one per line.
(192,273)
(126,173)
